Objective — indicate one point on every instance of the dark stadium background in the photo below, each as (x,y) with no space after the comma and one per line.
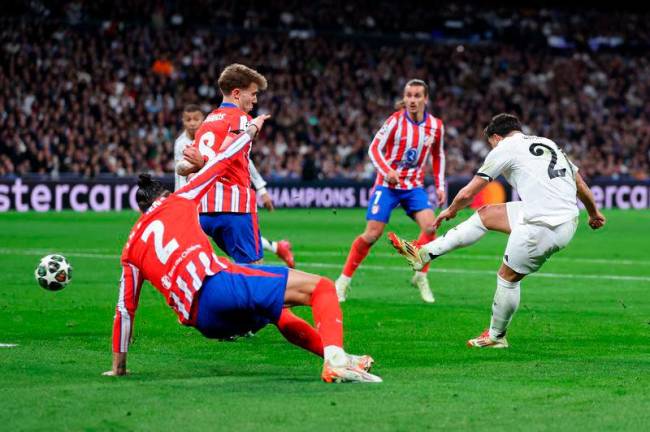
(81,98)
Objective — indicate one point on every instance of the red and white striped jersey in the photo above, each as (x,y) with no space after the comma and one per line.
(232,192)
(403,145)
(168,248)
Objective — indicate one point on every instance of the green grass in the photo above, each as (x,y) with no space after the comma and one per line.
(579,356)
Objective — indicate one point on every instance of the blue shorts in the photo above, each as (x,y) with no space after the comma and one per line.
(237,234)
(383,200)
(240,299)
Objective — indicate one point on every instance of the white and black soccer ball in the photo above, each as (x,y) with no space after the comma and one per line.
(54,272)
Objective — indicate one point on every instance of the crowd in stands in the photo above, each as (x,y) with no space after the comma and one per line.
(97,88)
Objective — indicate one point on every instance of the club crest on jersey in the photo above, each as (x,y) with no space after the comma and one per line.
(166,282)
(410,159)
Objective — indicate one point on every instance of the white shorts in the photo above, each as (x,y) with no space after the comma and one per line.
(530,245)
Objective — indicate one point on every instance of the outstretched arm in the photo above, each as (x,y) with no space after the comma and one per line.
(596,218)
(127,303)
(464,198)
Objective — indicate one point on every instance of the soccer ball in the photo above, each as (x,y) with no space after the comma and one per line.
(53,273)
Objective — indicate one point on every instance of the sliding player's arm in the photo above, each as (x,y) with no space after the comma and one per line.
(376,150)
(200,183)
(260,186)
(438,163)
(127,303)
(596,218)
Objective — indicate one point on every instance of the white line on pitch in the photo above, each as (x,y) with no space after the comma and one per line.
(433,269)
(4,345)
(491,272)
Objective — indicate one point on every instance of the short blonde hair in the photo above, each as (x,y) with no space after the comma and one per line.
(239,76)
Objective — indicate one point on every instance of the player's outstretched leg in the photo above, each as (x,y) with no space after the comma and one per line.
(282,249)
(300,333)
(504,306)
(320,293)
(409,250)
(462,235)
(358,252)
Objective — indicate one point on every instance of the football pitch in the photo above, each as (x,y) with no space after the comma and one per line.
(579,356)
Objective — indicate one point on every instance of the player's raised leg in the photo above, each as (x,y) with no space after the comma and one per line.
(320,293)
(492,217)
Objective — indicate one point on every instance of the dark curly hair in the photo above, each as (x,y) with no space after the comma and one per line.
(502,124)
(148,191)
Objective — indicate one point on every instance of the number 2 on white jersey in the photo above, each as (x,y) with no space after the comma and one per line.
(162,251)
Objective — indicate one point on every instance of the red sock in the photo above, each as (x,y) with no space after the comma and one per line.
(358,252)
(299,332)
(422,240)
(328,318)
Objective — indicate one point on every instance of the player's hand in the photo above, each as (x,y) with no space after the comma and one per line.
(392,177)
(258,122)
(193,156)
(267,202)
(597,220)
(444,215)
(442,197)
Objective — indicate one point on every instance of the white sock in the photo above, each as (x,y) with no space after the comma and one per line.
(344,278)
(420,274)
(335,356)
(506,302)
(464,234)
(269,245)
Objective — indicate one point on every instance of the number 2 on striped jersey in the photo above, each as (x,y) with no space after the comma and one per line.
(163,252)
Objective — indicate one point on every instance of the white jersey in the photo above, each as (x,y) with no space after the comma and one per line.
(181,142)
(543,176)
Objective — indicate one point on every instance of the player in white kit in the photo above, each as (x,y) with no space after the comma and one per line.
(192,119)
(539,225)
